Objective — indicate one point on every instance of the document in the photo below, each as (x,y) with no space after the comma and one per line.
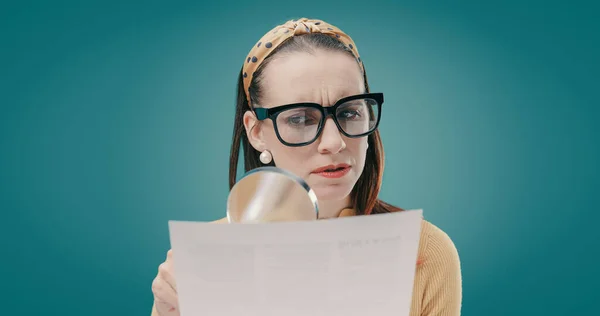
(348,266)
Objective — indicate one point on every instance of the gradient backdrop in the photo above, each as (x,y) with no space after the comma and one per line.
(117,115)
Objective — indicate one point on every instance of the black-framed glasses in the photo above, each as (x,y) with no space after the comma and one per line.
(300,124)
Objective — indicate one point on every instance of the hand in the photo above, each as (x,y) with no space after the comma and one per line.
(166,302)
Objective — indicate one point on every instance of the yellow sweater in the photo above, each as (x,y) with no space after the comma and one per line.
(438,282)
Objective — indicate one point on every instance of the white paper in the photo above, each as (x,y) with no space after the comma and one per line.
(359,265)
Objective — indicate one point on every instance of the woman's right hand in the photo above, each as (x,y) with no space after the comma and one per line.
(164,289)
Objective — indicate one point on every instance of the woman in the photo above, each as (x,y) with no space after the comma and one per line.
(292,79)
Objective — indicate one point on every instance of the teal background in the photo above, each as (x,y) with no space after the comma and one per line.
(116,116)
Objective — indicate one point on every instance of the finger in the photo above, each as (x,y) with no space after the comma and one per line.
(171,266)
(166,309)
(171,269)
(165,270)
(164,293)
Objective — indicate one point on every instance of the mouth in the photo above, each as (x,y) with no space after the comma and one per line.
(333,171)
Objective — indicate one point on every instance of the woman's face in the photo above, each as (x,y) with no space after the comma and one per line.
(323,77)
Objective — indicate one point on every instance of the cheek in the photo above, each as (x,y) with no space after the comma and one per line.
(269,136)
(291,158)
(358,148)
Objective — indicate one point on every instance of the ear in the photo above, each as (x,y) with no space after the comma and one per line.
(253,131)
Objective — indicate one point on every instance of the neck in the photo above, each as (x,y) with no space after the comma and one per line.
(333,208)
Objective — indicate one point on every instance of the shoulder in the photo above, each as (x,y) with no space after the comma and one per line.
(435,244)
(438,280)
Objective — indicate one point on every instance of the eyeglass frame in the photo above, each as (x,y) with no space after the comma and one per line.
(272,113)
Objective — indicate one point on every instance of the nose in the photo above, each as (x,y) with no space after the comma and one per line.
(331,140)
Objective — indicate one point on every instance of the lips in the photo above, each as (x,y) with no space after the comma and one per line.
(332,168)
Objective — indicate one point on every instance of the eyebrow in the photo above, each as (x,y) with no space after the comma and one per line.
(337,96)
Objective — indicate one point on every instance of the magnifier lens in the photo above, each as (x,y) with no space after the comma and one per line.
(271,194)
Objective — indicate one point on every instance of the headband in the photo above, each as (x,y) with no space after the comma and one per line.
(279,34)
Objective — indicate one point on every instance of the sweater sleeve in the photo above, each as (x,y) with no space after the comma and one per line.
(441,275)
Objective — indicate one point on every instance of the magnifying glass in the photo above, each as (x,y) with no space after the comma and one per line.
(271,194)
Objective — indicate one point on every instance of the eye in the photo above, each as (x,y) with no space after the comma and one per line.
(296,119)
(302,118)
(350,114)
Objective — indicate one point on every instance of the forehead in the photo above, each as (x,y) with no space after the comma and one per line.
(322,77)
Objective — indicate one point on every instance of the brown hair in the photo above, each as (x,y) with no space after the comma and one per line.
(364,196)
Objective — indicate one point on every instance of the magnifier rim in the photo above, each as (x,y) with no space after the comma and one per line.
(311,194)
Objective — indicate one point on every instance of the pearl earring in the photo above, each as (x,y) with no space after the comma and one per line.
(266,157)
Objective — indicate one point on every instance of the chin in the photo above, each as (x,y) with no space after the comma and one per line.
(332,192)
